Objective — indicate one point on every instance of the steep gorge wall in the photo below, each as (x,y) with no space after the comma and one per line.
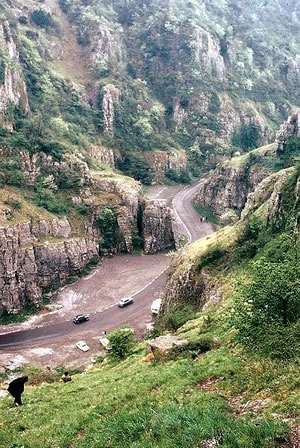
(39,251)
(13,91)
(37,256)
(225,189)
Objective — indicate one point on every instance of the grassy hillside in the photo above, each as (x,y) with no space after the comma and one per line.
(188,402)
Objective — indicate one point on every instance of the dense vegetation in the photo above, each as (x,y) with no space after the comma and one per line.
(181,69)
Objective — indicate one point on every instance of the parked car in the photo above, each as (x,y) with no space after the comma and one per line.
(104,342)
(155,307)
(81,318)
(82,346)
(125,301)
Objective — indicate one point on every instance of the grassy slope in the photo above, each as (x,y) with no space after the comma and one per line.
(139,404)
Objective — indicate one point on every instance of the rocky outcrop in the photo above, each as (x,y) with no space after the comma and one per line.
(289,129)
(226,188)
(158,227)
(34,165)
(111,94)
(163,347)
(39,255)
(207,53)
(13,90)
(102,155)
(161,161)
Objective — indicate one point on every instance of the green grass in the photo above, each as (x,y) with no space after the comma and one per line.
(135,404)
(207,213)
(139,404)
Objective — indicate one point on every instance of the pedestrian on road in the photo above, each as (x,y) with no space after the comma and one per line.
(104,332)
(66,377)
(16,388)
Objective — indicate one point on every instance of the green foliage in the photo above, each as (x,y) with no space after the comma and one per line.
(2,70)
(267,309)
(50,201)
(42,18)
(134,165)
(137,242)
(107,222)
(177,316)
(121,344)
(69,180)
(251,238)
(182,176)
(247,137)
(211,257)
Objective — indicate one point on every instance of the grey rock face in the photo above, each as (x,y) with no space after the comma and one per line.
(102,155)
(158,227)
(30,262)
(161,161)
(13,88)
(163,346)
(226,188)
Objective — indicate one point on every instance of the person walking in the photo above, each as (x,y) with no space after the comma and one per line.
(16,388)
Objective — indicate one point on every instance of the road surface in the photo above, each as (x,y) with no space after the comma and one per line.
(44,340)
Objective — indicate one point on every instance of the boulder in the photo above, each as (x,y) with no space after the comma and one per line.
(164,346)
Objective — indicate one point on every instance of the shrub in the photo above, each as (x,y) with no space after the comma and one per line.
(266,310)
(212,256)
(121,343)
(50,202)
(177,316)
(135,166)
(42,18)
(107,221)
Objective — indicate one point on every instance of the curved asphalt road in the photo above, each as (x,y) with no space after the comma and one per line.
(188,223)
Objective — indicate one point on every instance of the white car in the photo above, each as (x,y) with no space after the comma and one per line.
(82,346)
(104,342)
(155,307)
(125,301)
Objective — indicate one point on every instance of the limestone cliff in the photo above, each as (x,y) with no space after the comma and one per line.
(160,162)
(225,189)
(40,251)
(13,91)
(37,255)
(158,227)
(191,279)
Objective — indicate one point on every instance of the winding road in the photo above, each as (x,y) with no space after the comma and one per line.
(56,335)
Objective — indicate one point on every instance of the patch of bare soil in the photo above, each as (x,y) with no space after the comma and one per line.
(237,402)
(294,441)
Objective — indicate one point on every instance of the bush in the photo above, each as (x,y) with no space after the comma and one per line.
(42,18)
(176,317)
(107,222)
(210,257)
(50,202)
(135,166)
(266,311)
(121,343)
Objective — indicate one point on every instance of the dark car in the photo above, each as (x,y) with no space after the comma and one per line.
(81,318)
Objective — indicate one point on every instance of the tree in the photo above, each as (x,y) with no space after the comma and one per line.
(266,310)
(121,343)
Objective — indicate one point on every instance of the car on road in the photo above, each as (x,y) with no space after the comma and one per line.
(82,346)
(125,301)
(81,318)
(155,307)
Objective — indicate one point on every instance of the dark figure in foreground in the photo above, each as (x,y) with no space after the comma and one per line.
(16,388)
(66,377)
